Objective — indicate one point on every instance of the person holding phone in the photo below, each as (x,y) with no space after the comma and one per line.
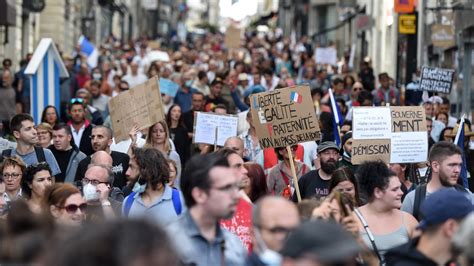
(96,187)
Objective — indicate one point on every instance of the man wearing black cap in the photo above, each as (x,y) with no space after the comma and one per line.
(320,243)
(315,183)
(443,212)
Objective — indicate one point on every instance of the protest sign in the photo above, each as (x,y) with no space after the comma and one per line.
(436,79)
(141,105)
(326,55)
(284,117)
(205,125)
(168,87)
(232,37)
(156,55)
(401,137)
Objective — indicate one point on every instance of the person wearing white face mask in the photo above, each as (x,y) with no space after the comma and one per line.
(96,187)
(273,219)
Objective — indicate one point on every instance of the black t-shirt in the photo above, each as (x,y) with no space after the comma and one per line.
(180,139)
(119,167)
(188,119)
(62,157)
(312,186)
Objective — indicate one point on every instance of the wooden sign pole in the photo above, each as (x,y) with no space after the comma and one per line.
(293,173)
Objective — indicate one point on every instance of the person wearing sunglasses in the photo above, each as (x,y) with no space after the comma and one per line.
(273,219)
(34,183)
(65,204)
(12,170)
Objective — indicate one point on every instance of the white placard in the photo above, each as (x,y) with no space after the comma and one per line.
(206,124)
(326,55)
(409,147)
(371,123)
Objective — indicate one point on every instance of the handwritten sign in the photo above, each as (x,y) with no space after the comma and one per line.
(141,105)
(205,125)
(326,55)
(401,137)
(371,123)
(284,117)
(168,87)
(436,79)
(232,37)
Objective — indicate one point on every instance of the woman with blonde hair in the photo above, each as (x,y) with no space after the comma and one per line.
(45,134)
(158,137)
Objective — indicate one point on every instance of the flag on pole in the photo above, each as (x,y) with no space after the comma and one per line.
(459,140)
(336,118)
(90,50)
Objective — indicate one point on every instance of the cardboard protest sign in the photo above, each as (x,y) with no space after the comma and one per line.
(232,37)
(396,134)
(326,55)
(205,125)
(284,117)
(168,87)
(141,105)
(436,79)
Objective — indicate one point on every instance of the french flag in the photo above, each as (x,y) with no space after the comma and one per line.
(295,97)
(337,118)
(459,141)
(90,50)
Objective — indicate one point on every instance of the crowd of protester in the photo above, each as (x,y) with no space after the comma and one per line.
(158,198)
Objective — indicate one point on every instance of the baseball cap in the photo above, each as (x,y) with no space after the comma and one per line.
(327,242)
(327,145)
(444,204)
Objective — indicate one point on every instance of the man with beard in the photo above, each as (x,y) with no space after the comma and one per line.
(81,127)
(101,139)
(211,192)
(316,182)
(446,162)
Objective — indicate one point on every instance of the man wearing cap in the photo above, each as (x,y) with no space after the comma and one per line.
(446,162)
(273,219)
(320,243)
(214,97)
(316,182)
(443,212)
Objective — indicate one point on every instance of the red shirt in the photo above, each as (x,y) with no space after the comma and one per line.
(241,223)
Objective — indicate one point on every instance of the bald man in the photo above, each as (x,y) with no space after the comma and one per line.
(273,219)
(102,157)
(101,139)
(236,144)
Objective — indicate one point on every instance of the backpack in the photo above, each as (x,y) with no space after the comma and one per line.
(38,150)
(174,197)
(420,196)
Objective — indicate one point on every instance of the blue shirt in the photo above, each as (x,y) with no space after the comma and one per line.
(161,211)
(192,247)
(184,99)
(30,158)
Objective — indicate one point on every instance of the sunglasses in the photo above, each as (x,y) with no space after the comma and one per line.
(77,100)
(72,208)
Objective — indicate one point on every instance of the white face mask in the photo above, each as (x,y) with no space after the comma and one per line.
(139,188)
(90,192)
(267,256)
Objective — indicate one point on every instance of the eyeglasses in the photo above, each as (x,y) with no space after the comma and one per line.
(357,88)
(72,208)
(86,181)
(11,176)
(124,88)
(77,100)
(229,188)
